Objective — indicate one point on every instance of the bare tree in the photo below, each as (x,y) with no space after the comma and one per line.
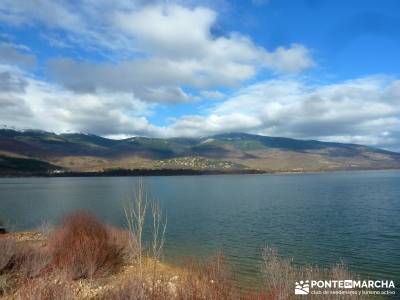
(135,215)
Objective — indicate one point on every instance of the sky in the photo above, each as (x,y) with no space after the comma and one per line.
(307,69)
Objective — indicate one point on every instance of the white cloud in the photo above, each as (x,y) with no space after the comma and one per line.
(289,60)
(150,46)
(51,13)
(168,30)
(365,111)
(211,124)
(41,105)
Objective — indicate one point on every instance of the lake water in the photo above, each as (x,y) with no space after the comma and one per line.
(317,219)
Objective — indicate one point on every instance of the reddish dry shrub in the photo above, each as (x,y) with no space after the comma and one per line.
(120,238)
(211,280)
(82,247)
(45,288)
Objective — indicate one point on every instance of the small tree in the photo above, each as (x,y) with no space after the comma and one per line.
(135,215)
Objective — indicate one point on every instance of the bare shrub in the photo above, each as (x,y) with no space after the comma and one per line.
(339,271)
(46,228)
(210,280)
(135,215)
(7,251)
(45,288)
(280,276)
(120,238)
(82,247)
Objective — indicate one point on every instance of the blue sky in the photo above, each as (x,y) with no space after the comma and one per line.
(306,69)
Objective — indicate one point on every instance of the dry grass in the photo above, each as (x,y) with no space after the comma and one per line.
(82,247)
(47,288)
(19,262)
(7,251)
(7,283)
(136,287)
(31,260)
(210,281)
(7,255)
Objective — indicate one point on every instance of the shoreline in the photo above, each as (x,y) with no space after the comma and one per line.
(92,288)
(153,278)
(174,268)
(180,172)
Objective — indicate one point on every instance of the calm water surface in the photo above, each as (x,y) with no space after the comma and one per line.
(317,219)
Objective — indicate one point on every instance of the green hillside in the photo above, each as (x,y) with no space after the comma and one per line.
(230,151)
(21,166)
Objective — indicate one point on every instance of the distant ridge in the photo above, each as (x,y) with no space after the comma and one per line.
(227,153)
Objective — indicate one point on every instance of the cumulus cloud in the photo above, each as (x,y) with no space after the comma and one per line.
(46,106)
(154,47)
(179,50)
(289,60)
(365,111)
(9,82)
(169,30)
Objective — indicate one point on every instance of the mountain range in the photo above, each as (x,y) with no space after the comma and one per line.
(32,151)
